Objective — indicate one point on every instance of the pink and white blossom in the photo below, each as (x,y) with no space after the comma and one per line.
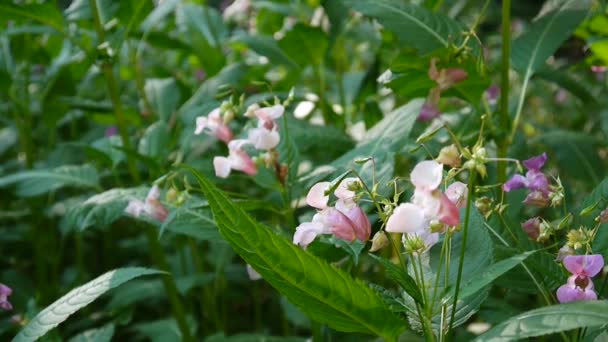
(238,159)
(215,125)
(579,286)
(151,206)
(263,138)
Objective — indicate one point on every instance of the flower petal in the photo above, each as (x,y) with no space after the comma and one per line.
(428,112)
(316,197)
(264,139)
(593,264)
(566,294)
(406,218)
(252,273)
(448,213)
(201,124)
(457,193)
(135,207)
(342,191)
(307,232)
(427,175)
(535,163)
(361,224)
(516,182)
(222,166)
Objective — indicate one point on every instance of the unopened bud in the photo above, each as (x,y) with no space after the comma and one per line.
(171,195)
(484,205)
(532,227)
(546,230)
(603,218)
(578,238)
(413,244)
(449,155)
(250,112)
(379,241)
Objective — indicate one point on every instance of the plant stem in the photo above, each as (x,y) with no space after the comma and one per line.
(465,231)
(161,262)
(114,94)
(505,118)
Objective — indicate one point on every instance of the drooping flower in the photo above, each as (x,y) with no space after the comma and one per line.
(532,227)
(151,206)
(534,180)
(214,124)
(579,286)
(237,159)
(445,79)
(5,292)
(346,220)
(429,206)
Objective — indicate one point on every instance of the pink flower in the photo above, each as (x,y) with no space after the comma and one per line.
(429,205)
(110,131)
(151,207)
(445,79)
(346,220)
(263,138)
(237,159)
(5,292)
(532,227)
(579,286)
(269,115)
(215,125)
(534,180)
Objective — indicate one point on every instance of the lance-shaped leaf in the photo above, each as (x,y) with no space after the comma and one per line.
(76,299)
(37,182)
(415,26)
(325,293)
(549,320)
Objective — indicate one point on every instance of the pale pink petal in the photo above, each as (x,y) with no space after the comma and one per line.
(154,193)
(406,218)
(341,226)
(457,193)
(238,144)
(342,191)
(307,232)
(264,139)
(448,213)
(135,207)
(566,294)
(593,264)
(241,161)
(215,115)
(270,113)
(224,133)
(201,124)
(428,201)
(316,197)
(427,175)
(360,223)
(222,166)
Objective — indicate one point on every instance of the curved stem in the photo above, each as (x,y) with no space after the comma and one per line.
(465,231)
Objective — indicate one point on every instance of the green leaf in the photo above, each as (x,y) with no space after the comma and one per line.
(220,337)
(43,13)
(531,49)
(268,47)
(492,272)
(549,320)
(407,283)
(37,182)
(566,81)
(415,26)
(103,334)
(158,14)
(306,45)
(163,95)
(326,294)
(194,222)
(76,299)
(155,141)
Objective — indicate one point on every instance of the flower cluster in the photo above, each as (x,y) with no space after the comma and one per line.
(264,136)
(579,285)
(346,220)
(445,79)
(535,181)
(151,206)
(5,292)
(430,210)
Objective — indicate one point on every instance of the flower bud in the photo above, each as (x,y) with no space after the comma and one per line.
(250,112)
(484,205)
(578,238)
(532,227)
(449,155)
(546,230)
(379,241)
(413,244)
(603,218)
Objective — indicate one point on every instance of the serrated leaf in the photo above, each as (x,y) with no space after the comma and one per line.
(492,272)
(415,25)
(76,299)
(530,50)
(194,222)
(37,182)
(325,293)
(163,95)
(304,44)
(549,320)
(407,283)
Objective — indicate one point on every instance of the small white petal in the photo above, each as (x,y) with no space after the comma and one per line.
(222,166)
(153,194)
(407,218)
(427,175)
(252,273)
(264,139)
(316,195)
(307,232)
(342,191)
(135,207)
(201,124)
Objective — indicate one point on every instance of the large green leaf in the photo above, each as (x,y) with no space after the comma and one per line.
(549,320)
(155,142)
(326,294)
(268,47)
(306,45)
(407,283)
(545,35)
(43,13)
(103,334)
(414,25)
(163,95)
(37,182)
(76,299)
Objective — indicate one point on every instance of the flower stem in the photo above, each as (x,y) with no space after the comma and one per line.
(465,231)
(505,118)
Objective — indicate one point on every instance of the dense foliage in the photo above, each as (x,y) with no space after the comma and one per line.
(276,170)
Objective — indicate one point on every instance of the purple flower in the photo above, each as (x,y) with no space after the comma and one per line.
(532,227)
(428,112)
(110,131)
(579,286)
(492,93)
(5,292)
(534,180)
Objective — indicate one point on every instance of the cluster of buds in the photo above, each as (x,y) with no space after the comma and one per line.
(540,193)
(264,137)
(579,238)
(151,207)
(477,159)
(345,220)
(445,79)
(430,210)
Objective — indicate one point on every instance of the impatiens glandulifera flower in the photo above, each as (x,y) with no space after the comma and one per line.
(532,227)
(214,123)
(5,292)
(266,135)
(346,220)
(237,159)
(579,286)
(534,180)
(429,206)
(445,78)
(151,206)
